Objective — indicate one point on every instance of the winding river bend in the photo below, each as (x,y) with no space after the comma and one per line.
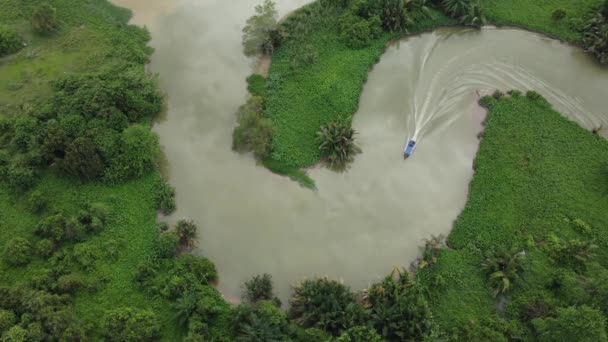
(362,223)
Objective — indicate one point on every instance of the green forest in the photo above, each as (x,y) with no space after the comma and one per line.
(84,256)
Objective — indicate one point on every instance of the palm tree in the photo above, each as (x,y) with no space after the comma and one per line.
(337,144)
(474,17)
(185,307)
(502,269)
(456,8)
(186,230)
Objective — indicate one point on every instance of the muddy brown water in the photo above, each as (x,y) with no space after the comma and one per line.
(362,223)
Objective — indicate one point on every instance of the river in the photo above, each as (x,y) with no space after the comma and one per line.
(362,223)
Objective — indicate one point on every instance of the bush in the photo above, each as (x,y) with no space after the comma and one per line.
(259,288)
(162,226)
(254,132)
(260,322)
(45,248)
(10,42)
(572,324)
(595,34)
(325,304)
(130,324)
(83,160)
(137,153)
(44,18)
(399,311)
(15,334)
(7,320)
(37,201)
(167,245)
(358,32)
(257,85)
(17,252)
(200,269)
(164,195)
(559,14)
(70,283)
(360,334)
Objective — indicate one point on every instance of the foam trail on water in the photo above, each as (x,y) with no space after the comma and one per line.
(441,99)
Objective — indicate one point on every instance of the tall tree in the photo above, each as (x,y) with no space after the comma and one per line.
(261,30)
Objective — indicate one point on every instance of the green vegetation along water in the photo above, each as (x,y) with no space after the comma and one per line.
(361,223)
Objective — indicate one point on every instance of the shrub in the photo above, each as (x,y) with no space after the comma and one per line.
(595,34)
(37,201)
(360,334)
(10,42)
(200,269)
(357,32)
(399,311)
(257,85)
(337,144)
(164,195)
(17,252)
(260,322)
(7,320)
(44,18)
(15,334)
(70,283)
(254,132)
(259,288)
(45,248)
(572,324)
(559,14)
(137,153)
(82,159)
(325,304)
(130,324)
(572,253)
(162,226)
(305,56)
(167,245)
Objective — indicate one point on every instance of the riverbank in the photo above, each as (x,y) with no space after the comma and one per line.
(91,37)
(329,89)
(538,179)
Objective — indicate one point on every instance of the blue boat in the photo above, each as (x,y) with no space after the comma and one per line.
(409,149)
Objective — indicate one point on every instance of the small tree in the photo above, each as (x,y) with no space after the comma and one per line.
(44,19)
(337,144)
(360,334)
(167,245)
(10,42)
(259,288)
(261,32)
(82,159)
(325,304)
(17,252)
(186,230)
(399,311)
(254,132)
(129,324)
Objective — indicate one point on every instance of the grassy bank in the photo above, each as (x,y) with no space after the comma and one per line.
(299,102)
(538,177)
(90,36)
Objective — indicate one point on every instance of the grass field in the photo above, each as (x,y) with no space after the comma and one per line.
(536,173)
(91,35)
